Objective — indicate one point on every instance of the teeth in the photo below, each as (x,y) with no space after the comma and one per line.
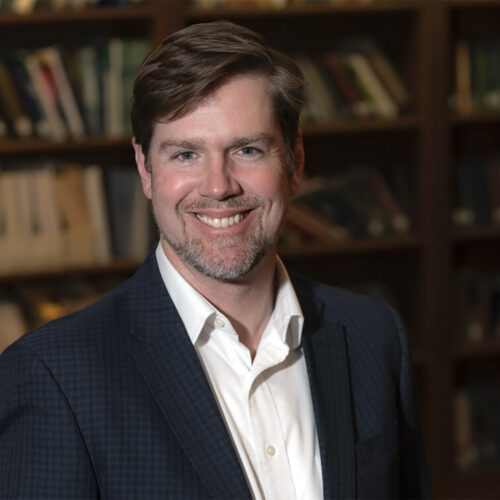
(224,222)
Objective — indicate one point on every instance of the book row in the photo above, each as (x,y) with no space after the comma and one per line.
(72,93)
(361,202)
(477,191)
(477,424)
(355,80)
(478,305)
(477,75)
(28,6)
(54,216)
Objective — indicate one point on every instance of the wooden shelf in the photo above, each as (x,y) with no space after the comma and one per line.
(486,348)
(475,118)
(479,234)
(386,244)
(119,265)
(23,146)
(481,482)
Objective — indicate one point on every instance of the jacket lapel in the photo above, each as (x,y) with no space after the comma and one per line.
(325,349)
(168,362)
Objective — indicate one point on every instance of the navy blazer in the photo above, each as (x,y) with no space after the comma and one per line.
(112,402)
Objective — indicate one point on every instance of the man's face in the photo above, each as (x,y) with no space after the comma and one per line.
(218,180)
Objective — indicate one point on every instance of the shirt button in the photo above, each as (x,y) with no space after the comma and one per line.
(220,322)
(270,450)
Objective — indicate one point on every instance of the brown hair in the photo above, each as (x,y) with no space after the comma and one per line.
(194,62)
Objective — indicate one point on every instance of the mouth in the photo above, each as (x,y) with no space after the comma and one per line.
(219,222)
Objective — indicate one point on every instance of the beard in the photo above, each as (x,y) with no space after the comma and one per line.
(222,258)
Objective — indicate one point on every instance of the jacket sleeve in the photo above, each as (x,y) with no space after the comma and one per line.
(42,453)
(414,479)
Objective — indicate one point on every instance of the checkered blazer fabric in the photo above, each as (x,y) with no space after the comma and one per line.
(112,402)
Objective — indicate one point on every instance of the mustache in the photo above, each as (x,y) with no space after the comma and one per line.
(245,202)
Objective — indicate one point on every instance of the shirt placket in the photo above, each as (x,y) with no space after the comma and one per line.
(269,442)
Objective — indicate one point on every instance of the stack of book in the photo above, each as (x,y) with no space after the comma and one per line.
(477,424)
(477,75)
(357,80)
(478,305)
(60,94)
(58,216)
(477,192)
(362,202)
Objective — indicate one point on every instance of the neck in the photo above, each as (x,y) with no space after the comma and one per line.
(248,302)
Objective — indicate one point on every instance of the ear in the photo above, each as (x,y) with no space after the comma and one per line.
(299,155)
(140,160)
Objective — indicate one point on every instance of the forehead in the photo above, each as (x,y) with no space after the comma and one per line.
(242,105)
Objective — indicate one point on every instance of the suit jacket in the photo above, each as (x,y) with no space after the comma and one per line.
(112,402)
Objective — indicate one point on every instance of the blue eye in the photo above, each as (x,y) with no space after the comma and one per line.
(185,155)
(249,150)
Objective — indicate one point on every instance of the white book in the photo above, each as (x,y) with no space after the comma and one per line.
(93,184)
(78,236)
(14,244)
(50,247)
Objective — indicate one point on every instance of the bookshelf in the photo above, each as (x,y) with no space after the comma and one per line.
(416,269)
(70,29)
(419,267)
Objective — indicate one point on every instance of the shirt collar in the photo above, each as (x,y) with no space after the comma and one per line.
(195,310)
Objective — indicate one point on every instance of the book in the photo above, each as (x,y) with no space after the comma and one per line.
(346,86)
(320,104)
(129,212)
(78,244)
(310,226)
(135,51)
(26,92)
(46,95)
(49,250)
(492,170)
(384,68)
(12,105)
(50,59)
(113,88)
(93,185)
(399,220)
(87,80)
(463,101)
(13,244)
(384,102)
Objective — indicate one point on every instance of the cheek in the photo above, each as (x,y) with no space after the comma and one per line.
(169,190)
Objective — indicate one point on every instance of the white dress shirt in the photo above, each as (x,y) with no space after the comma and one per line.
(266,404)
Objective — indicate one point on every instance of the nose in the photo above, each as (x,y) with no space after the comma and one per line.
(219,180)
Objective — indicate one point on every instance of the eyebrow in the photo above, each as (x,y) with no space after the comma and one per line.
(184,144)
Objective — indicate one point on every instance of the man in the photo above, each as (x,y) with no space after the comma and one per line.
(211,373)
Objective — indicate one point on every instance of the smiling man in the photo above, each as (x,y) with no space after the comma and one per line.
(212,373)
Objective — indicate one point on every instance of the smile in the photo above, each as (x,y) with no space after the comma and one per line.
(223,221)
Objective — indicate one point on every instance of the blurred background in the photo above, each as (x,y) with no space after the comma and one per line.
(401,199)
